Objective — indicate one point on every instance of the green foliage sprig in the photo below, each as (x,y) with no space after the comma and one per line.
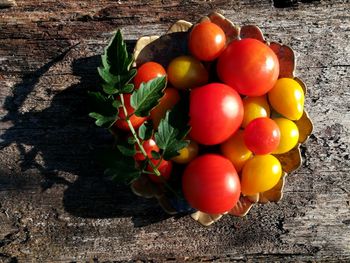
(117,75)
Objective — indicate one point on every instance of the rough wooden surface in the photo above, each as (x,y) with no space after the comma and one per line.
(55,206)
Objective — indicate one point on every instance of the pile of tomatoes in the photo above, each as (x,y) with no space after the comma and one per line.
(234,89)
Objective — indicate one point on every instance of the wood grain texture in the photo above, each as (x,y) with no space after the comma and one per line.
(55,205)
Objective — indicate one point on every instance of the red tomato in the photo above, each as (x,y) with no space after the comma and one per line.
(167,102)
(148,71)
(210,184)
(164,168)
(262,135)
(216,112)
(149,146)
(207,40)
(135,121)
(249,66)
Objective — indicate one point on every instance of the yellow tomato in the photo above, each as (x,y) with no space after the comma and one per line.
(260,173)
(287,98)
(186,72)
(255,107)
(289,135)
(187,154)
(235,150)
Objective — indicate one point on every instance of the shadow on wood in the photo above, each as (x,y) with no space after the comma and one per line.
(65,137)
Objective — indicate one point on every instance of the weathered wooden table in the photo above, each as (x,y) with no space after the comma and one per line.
(55,204)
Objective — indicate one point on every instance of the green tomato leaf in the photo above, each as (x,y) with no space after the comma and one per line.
(167,138)
(179,118)
(103,121)
(155,155)
(105,109)
(121,168)
(127,149)
(144,99)
(116,63)
(146,130)
(116,58)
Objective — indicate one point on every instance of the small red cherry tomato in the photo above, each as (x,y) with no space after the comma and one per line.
(135,120)
(164,168)
(210,184)
(262,135)
(249,66)
(148,71)
(207,40)
(149,146)
(216,112)
(167,102)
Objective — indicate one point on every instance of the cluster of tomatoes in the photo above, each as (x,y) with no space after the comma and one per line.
(233,89)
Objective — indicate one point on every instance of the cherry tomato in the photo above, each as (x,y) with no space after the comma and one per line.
(249,66)
(207,40)
(186,72)
(287,98)
(164,168)
(260,173)
(210,184)
(135,121)
(255,107)
(167,102)
(289,135)
(216,112)
(235,150)
(262,136)
(148,71)
(149,146)
(187,154)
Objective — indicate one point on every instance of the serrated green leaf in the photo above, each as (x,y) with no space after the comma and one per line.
(104,109)
(116,63)
(127,149)
(116,57)
(103,121)
(121,168)
(144,99)
(123,174)
(128,88)
(116,104)
(107,76)
(109,89)
(167,138)
(179,118)
(131,140)
(155,155)
(146,130)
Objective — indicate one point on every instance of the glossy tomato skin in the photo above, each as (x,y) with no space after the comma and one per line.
(165,168)
(186,72)
(216,112)
(167,102)
(289,135)
(135,120)
(235,150)
(262,135)
(249,66)
(260,173)
(149,146)
(210,184)
(148,71)
(207,40)
(287,98)
(255,107)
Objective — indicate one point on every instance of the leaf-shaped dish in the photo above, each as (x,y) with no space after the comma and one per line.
(163,49)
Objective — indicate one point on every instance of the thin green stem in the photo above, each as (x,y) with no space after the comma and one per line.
(133,132)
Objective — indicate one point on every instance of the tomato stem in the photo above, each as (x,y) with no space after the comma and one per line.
(133,132)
